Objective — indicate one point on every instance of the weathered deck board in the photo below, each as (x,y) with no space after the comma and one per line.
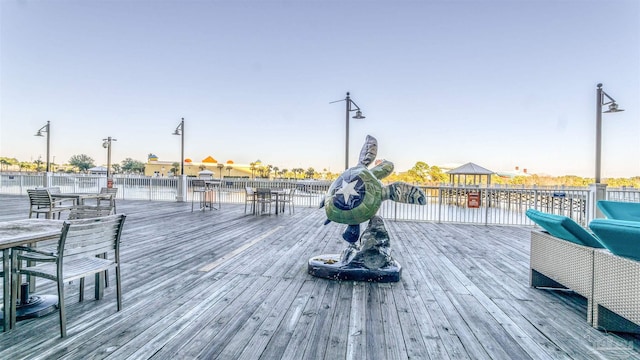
(222,284)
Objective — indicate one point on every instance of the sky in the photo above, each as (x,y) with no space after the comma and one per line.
(503,84)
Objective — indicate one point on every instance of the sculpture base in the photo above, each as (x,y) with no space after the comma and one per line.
(329,266)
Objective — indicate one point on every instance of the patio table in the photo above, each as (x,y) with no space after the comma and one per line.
(17,233)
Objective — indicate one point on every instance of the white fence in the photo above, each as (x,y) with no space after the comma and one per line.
(472,205)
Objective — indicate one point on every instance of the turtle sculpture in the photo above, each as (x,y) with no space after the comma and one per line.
(354,198)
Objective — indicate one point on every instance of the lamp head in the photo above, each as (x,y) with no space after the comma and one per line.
(177,132)
(358,115)
(105,144)
(39,133)
(613,107)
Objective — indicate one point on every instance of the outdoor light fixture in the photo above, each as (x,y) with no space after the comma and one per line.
(180,131)
(602,98)
(106,143)
(47,129)
(358,115)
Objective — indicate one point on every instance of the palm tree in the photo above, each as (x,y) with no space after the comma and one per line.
(229,168)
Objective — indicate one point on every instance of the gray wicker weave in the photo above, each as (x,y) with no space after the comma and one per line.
(558,263)
(616,293)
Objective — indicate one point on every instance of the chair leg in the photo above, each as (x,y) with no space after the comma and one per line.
(118,287)
(63,316)
(99,286)
(81,290)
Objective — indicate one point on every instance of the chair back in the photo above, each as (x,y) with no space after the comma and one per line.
(40,197)
(91,237)
(88,212)
(109,191)
(249,191)
(263,193)
(198,183)
(54,190)
(292,191)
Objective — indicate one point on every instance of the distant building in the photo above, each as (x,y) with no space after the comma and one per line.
(98,170)
(156,167)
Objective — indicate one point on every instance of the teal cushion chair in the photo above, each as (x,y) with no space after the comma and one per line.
(621,237)
(620,210)
(564,228)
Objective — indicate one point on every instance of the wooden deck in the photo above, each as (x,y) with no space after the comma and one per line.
(225,285)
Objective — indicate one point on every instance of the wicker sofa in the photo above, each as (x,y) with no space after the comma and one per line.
(562,257)
(619,210)
(561,264)
(616,280)
(616,293)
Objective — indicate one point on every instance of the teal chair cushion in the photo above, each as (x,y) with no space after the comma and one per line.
(618,236)
(619,210)
(564,228)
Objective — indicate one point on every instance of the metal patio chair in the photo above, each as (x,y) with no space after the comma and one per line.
(78,254)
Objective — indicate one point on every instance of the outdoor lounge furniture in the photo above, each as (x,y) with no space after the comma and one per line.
(619,210)
(616,293)
(88,211)
(563,257)
(287,198)
(249,198)
(41,202)
(75,213)
(616,283)
(78,254)
(199,189)
(108,194)
(263,200)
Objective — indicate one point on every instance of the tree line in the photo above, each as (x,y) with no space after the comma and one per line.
(421,173)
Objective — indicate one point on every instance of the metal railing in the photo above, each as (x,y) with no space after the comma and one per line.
(458,204)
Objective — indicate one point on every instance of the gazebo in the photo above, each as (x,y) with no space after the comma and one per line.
(98,170)
(469,169)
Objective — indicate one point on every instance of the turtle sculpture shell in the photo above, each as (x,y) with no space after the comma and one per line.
(354,197)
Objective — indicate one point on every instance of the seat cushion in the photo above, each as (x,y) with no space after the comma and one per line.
(621,237)
(564,228)
(619,210)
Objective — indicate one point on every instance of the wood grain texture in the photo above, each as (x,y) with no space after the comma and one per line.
(228,285)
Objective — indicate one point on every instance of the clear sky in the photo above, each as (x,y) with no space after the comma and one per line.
(498,83)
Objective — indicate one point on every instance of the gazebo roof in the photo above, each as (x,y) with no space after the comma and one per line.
(470,169)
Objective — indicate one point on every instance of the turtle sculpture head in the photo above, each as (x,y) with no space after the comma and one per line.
(356,195)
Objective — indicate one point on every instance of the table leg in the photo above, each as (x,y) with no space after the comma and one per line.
(6,287)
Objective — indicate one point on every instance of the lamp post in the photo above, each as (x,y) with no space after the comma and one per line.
(602,98)
(47,129)
(180,131)
(106,143)
(358,115)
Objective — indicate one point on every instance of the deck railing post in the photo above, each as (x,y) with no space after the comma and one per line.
(182,188)
(598,192)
